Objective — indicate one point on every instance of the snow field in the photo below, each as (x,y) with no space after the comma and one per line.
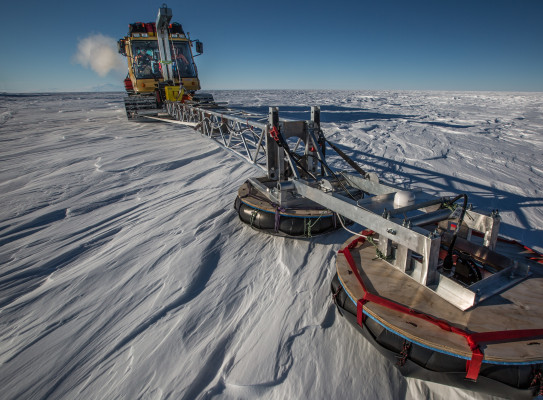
(125,272)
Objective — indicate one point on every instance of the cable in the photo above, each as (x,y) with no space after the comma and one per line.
(448,261)
(282,143)
(296,160)
(348,230)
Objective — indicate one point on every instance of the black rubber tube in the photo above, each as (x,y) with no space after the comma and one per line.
(510,381)
(288,225)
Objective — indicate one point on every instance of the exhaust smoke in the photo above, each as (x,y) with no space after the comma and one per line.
(99,52)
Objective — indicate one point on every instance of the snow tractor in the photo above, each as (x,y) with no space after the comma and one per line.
(160,65)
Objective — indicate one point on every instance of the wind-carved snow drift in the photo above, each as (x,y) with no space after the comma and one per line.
(125,273)
(99,52)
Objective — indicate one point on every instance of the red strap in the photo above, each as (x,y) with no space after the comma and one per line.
(349,257)
(360,312)
(473,366)
(274,133)
(501,336)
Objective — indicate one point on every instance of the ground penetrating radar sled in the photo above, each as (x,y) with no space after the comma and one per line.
(429,282)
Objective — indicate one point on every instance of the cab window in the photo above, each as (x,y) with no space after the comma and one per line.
(183,65)
(146,59)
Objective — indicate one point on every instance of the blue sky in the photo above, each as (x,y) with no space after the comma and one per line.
(385,44)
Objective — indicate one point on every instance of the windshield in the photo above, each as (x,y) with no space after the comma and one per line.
(183,64)
(146,59)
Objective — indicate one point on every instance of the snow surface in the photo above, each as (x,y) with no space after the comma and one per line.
(125,272)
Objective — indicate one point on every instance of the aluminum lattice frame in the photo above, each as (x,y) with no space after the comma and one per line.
(242,133)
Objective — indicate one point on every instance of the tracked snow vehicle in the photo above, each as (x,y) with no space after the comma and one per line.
(160,65)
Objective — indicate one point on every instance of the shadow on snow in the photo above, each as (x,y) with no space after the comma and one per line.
(329,113)
(484,196)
